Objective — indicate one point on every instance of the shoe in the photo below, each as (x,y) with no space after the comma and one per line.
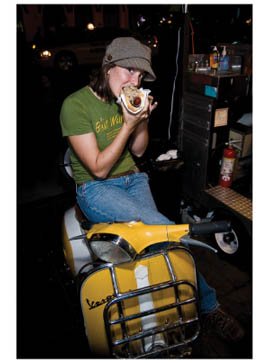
(224,325)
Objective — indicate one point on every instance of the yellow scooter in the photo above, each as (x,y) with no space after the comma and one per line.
(137,300)
(137,284)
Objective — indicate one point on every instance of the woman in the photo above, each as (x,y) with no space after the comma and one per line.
(103,135)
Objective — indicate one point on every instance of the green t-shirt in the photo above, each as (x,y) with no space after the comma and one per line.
(82,112)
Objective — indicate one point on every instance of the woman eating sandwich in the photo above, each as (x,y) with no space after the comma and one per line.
(106,123)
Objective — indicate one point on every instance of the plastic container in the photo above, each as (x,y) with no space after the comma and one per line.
(224,60)
(214,59)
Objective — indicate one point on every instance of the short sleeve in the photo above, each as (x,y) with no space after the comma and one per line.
(74,117)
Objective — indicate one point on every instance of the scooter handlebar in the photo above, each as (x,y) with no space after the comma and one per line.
(210,227)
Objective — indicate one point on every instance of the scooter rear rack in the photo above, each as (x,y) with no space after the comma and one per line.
(177,335)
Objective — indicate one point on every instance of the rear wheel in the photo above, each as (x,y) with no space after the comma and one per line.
(234,246)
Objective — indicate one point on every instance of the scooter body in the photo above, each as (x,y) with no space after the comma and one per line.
(135,302)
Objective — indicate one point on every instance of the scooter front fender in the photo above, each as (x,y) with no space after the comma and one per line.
(140,235)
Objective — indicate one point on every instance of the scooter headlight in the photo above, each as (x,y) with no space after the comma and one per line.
(111,248)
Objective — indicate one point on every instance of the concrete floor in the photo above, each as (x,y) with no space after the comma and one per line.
(234,292)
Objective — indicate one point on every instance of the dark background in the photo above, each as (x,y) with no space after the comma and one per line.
(49,324)
(41,92)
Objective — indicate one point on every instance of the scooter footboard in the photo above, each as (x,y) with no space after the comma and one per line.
(142,308)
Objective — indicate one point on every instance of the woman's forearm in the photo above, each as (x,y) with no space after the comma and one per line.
(139,139)
(100,162)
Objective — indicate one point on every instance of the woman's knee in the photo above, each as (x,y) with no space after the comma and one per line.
(155,217)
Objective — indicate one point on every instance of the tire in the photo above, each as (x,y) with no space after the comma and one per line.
(65,61)
(235,246)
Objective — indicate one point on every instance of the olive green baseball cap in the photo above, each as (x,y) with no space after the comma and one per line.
(127,52)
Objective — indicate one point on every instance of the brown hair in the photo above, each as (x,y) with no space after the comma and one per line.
(99,83)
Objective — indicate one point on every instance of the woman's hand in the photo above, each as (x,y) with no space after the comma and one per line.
(132,120)
(152,105)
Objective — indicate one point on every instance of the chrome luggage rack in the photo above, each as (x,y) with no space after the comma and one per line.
(177,335)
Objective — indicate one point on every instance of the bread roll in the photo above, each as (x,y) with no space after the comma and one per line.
(133,98)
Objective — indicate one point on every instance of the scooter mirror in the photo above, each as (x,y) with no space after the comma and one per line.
(111,248)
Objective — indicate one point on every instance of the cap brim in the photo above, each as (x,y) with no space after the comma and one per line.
(138,63)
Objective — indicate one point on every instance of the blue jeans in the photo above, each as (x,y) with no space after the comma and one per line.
(122,199)
(129,198)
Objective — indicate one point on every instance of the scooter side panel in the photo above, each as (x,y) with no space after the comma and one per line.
(76,251)
(96,291)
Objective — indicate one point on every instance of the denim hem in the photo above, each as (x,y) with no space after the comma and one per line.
(205,312)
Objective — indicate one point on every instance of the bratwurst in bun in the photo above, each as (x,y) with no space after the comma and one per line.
(133,98)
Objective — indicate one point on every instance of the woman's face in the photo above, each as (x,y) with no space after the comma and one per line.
(120,77)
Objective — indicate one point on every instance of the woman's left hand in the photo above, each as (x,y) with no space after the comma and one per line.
(152,105)
(134,120)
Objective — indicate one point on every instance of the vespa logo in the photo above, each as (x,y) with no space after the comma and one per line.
(95,304)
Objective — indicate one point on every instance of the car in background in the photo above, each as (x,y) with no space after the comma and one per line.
(68,48)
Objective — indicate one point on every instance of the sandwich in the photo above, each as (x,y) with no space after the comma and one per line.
(133,98)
